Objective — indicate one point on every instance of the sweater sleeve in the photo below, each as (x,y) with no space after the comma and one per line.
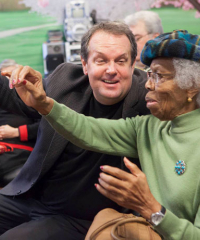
(115,137)
(174,228)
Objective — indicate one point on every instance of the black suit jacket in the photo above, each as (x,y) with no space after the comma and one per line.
(67,85)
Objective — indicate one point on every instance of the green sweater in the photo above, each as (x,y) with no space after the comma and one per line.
(159,145)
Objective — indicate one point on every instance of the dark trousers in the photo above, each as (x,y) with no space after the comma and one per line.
(28,219)
(11,164)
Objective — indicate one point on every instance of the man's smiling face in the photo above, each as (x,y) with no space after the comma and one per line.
(109,67)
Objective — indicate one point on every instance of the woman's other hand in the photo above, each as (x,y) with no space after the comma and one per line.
(129,190)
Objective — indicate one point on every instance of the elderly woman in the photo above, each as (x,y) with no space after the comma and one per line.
(167,192)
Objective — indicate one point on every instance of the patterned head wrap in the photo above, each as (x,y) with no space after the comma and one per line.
(178,43)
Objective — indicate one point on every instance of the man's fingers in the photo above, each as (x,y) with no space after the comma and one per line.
(6,73)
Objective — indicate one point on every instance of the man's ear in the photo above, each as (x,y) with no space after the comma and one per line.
(84,65)
(192,93)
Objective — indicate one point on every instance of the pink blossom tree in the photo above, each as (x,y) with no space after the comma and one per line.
(184,4)
(108,9)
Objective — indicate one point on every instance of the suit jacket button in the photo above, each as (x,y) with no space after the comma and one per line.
(19,192)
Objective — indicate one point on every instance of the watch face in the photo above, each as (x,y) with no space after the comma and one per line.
(156,218)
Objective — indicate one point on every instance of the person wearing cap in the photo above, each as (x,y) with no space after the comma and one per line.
(167,192)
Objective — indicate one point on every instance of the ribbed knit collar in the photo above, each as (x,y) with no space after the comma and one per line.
(186,122)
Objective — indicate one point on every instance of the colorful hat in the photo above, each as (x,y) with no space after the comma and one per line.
(178,43)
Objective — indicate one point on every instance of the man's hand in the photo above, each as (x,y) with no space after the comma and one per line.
(28,84)
(6,131)
(129,190)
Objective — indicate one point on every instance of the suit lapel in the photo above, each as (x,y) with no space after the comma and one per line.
(131,100)
(77,100)
(134,103)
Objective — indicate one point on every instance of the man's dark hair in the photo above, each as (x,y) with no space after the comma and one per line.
(115,28)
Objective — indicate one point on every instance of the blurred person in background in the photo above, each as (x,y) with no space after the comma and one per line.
(145,25)
(17,137)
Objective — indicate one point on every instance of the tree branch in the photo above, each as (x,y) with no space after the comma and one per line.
(195,4)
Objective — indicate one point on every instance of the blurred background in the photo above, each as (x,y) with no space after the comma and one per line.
(44,33)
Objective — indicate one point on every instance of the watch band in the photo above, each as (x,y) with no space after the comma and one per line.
(163,210)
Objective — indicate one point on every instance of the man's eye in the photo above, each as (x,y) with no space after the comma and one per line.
(122,61)
(100,60)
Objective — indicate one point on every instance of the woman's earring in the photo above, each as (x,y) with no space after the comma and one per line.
(189,99)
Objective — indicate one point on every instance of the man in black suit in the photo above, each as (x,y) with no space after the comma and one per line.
(54,196)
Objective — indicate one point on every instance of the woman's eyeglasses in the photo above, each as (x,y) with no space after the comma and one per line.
(158,77)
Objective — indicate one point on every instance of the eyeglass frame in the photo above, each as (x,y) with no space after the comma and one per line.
(158,76)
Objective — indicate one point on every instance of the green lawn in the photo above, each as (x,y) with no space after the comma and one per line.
(26,48)
(174,18)
(10,20)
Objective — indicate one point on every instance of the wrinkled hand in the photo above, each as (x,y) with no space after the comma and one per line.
(28,84)
(6,131)
(129,190)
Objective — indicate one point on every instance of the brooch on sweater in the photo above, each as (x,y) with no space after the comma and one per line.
(180,167)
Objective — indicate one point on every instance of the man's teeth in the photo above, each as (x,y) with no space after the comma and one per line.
(107,81)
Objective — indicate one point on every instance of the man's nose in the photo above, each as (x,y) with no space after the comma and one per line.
(150,85)
(111,68)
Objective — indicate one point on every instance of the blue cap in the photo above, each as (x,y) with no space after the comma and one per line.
(178,43)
